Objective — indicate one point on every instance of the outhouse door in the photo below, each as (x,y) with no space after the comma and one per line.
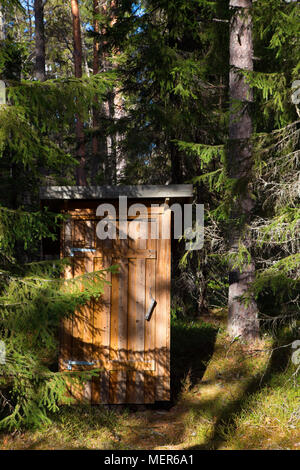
(126,332)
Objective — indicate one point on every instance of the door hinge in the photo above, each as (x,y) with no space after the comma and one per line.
(79,363)
(81,250)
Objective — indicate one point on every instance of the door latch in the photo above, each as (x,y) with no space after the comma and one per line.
(151,307)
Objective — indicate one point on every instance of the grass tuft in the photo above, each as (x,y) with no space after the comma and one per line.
(226,395)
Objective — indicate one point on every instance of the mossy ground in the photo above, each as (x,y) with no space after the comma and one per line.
(226,395)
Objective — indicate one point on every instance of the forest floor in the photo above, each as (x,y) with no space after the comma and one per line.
(225,396)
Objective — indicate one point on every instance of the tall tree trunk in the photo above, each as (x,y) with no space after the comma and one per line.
(242,314)
(29,19)
(96,62)
(80,171)
(40,64)
(119,113)
(111,110)
(96,66)
(2,25)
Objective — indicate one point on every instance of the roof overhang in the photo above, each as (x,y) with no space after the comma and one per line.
(114,192)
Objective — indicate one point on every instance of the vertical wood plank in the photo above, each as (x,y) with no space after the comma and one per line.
(163,310)
(88,328)
(114,318)
(150,325)
(139,387)
(88,316)
(130,387)
(107,302)
(140,310)
(132,275)
(113,386)
(79,233)
(141,244)
(122,326)
(121,390)
(122,310)
(149,385)
(140,328)
(66,330)
(131,308)
(114,334)
(78,319)
(90,234)
(101,337)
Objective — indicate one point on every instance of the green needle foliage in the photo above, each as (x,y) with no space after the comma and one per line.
(34,299)
(38,112)
(168,60)
(275,180)
(37,141)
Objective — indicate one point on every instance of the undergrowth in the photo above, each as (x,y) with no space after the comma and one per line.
(228,396)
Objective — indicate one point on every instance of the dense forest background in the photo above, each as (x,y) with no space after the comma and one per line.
(118,92)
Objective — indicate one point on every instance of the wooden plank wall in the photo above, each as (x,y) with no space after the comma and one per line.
(134,354)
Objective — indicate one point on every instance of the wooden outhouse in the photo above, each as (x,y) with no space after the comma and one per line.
(127,332)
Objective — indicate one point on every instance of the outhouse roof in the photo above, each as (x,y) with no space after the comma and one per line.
(113,192)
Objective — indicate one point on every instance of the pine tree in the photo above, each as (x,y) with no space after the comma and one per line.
(33,297)
(242,313)
(80,173)
(40,71)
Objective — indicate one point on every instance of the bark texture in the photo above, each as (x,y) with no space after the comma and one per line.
(114,164)
(96,66)
(80,172)
(2,25)
(242,314)
(40,61)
